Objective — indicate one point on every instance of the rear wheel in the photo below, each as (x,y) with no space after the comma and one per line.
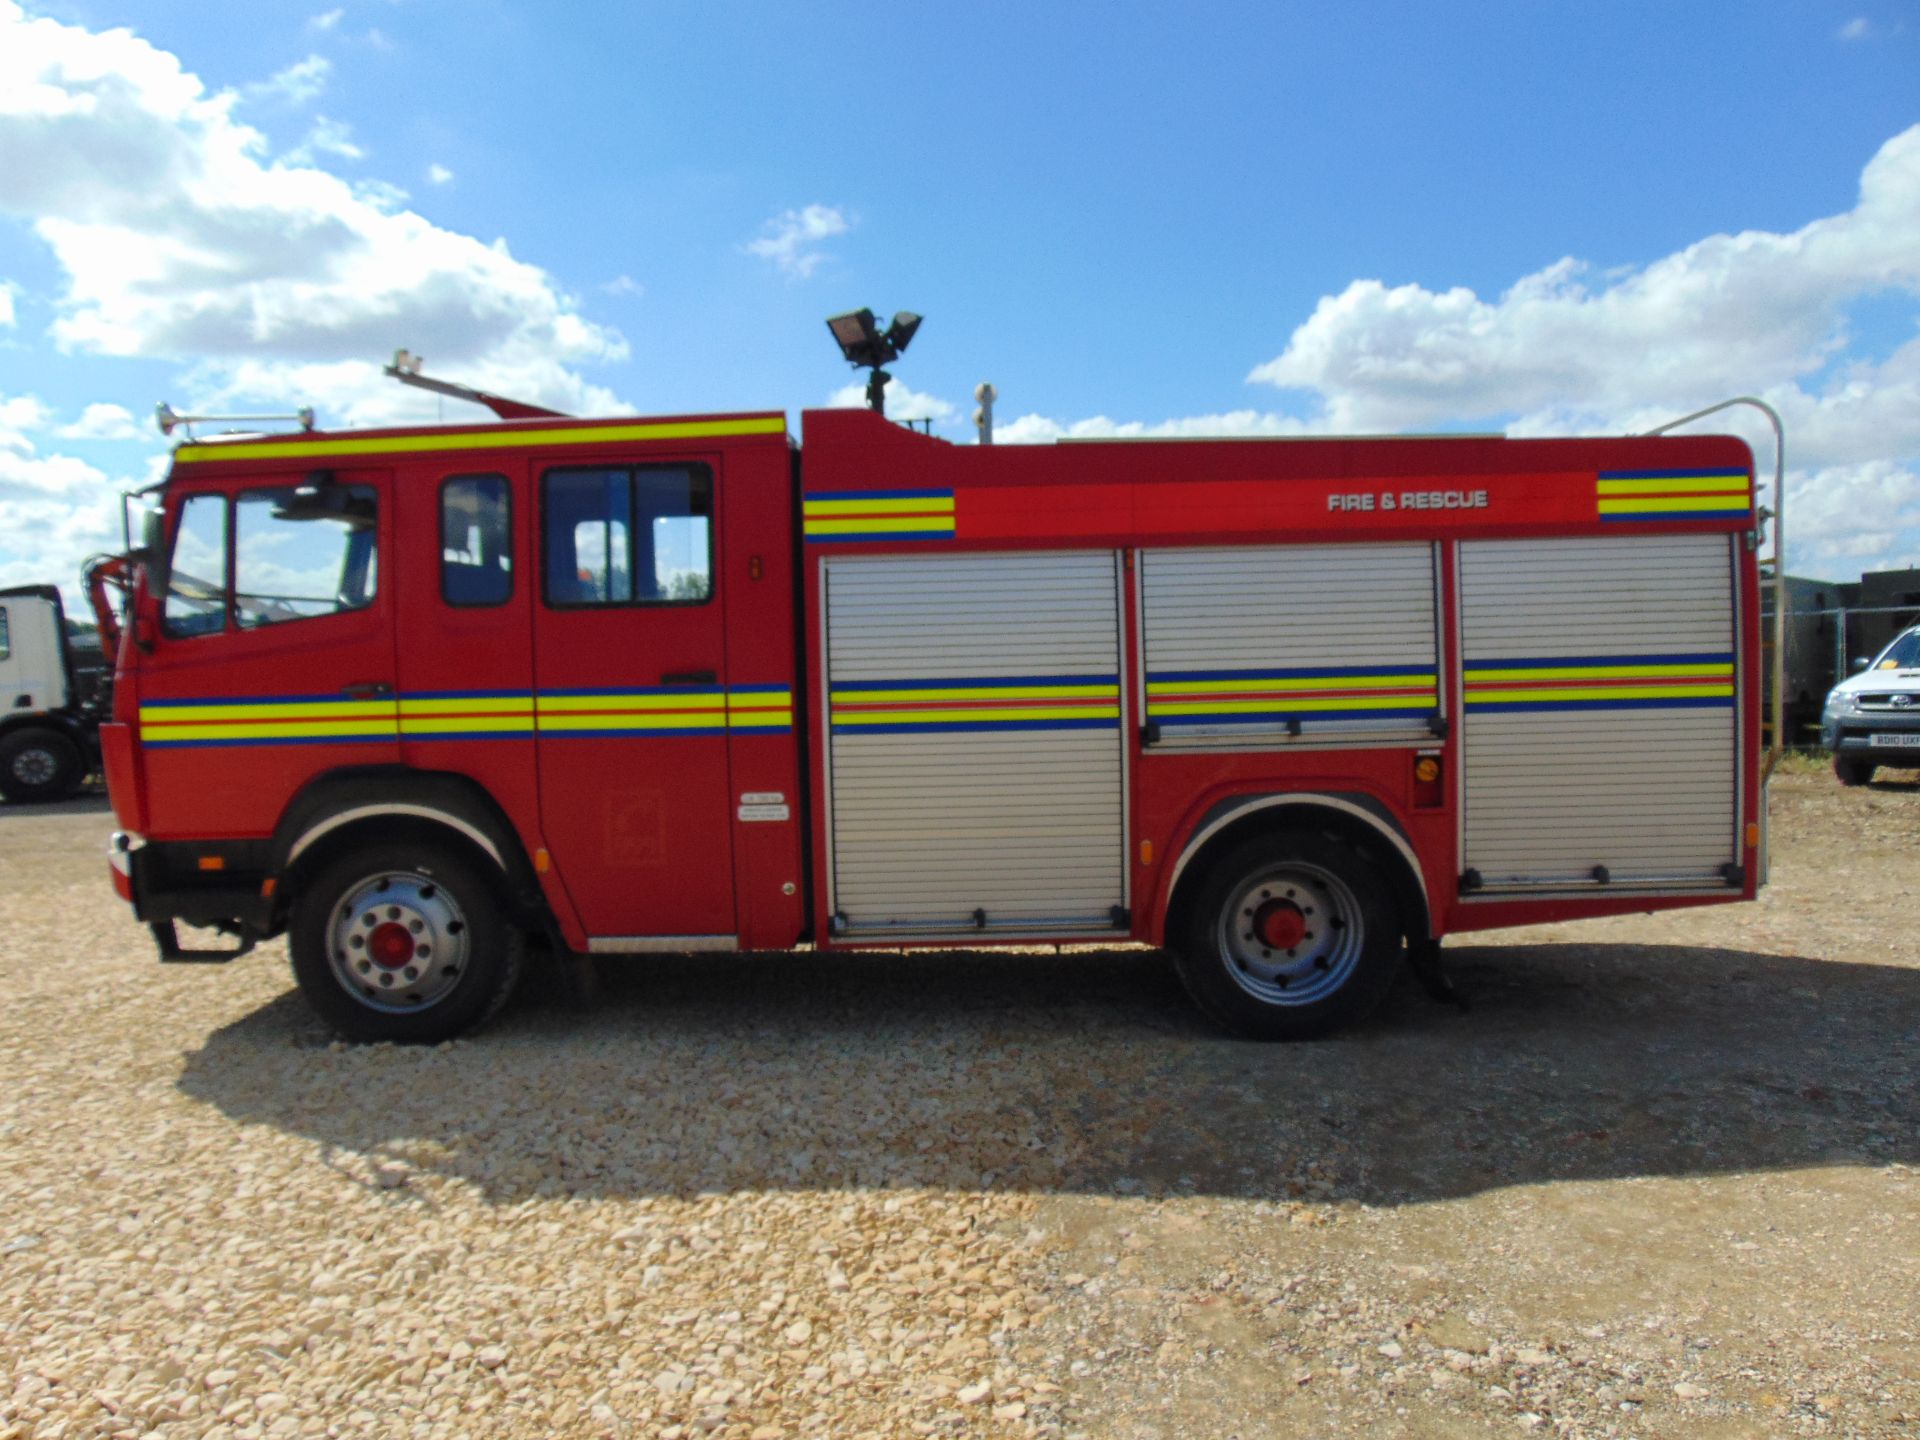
(38,764)
(404,942)
(1853,772)
(1289,937)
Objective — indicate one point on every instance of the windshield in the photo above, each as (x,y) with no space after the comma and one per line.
(1903,654)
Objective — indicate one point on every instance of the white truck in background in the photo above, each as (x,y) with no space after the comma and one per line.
(54,688)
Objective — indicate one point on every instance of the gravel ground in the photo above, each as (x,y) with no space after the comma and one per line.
(1659,1181)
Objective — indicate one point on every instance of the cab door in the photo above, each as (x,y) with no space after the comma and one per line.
(630,671)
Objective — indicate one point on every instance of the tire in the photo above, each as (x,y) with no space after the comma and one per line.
(404,942)
(1314,889)
(1853,772)
(39,764)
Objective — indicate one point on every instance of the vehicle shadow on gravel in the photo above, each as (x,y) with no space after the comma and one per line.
(1089,1073)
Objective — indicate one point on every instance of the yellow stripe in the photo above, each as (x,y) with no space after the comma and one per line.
(695,721)
(308,710)
(1597,672)
(938,717)
(941,523)
(1257,707)
(761,717)
(1733,484)
(1678,504)
(824,508)
(696,704)
(338,729)
(1345,682)
(467,725)
(1610,692)
(762,701)
(469,705)
(978,692)
(490,439)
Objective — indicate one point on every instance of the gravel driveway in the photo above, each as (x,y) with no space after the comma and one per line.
(1660,1181)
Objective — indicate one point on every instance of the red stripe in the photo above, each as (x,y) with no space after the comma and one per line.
(846,707)
(1421,691)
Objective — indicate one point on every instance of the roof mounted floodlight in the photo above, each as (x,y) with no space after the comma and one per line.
(863,345)
(170,419)
(406,369)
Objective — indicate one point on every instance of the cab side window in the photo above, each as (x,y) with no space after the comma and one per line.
(196,601)
(303,551)
(6,638)
(628,536)
(476,540)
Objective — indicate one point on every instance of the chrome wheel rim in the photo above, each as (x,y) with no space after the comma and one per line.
(398,942)
(1291,934)
(36,766)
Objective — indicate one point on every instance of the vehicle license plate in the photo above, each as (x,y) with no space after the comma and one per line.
(1910,742)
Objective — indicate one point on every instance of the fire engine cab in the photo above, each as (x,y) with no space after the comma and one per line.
(1292,709)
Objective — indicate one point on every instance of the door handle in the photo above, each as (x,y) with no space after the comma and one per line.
(367,690)
(689,677)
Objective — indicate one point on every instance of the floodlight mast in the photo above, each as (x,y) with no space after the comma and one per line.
(863,346)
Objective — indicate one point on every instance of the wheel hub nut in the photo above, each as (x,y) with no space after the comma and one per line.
(390,946)
(1280,924)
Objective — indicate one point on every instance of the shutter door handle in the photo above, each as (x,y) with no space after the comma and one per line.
(367,690)
(689,677)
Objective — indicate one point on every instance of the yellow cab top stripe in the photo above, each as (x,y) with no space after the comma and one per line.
(498,438)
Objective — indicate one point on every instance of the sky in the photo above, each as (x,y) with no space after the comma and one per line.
(1207,219)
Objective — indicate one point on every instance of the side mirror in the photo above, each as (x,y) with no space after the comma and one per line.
(1859,663)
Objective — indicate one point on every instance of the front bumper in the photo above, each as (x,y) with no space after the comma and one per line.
(217,885)
(1853,734)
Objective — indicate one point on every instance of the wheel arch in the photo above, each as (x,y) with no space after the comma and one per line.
(341,811)
(1359,819)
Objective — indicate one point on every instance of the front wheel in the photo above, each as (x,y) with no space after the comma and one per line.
(39,764)
(1852,772)
(404,942)
(1289,937)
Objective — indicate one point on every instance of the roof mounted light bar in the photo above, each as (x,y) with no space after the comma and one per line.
(169,419)
(406,369)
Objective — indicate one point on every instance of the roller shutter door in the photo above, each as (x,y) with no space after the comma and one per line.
(975,744)
(1599,707)
(1261,642)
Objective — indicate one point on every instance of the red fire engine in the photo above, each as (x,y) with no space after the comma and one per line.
(1292,709)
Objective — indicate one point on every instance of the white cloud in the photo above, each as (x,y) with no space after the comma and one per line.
(326,137)
(102,421)
(325,21)
(6,305)
(1233,424)
(624,285)
(1858,28)
(902,403)
(181,240)
(791,240)
(20,415)
(297,84)
(439,175)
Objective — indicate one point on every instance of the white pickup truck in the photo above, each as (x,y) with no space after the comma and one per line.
(54,689)
(1872,718)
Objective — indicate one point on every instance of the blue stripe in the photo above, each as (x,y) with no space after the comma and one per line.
(759,689)
(271,740)
(1265,717)
(1480,707)
(946,534)
(336,698)
(779,729)
(876,495)
(1316,672)
(1709,657)
(973,682)
(1716,471)
(951,727)
(466,695)
(1655,516)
